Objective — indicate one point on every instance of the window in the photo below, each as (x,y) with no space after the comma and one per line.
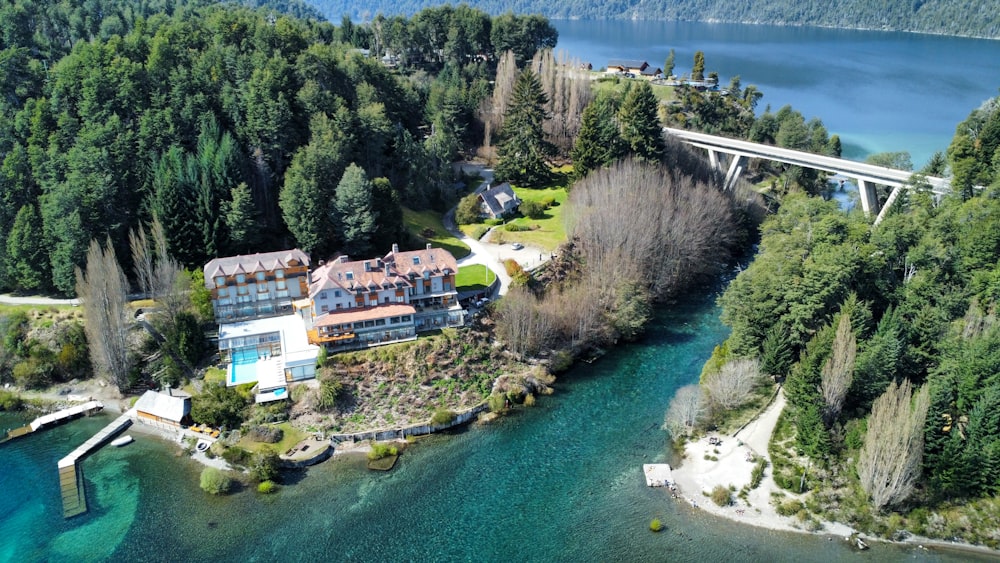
(336,293)
(220,280)
(223,292)
(385,299)
(427,275)
(416,260)
(379,322)
(241,278)
(243,290)
(280,274)
(262,288)
(322,295)
(400,299)
(339,305)
(350,275)
(260,276)
(447,286)
(324,308)
(405,318)
(280,284)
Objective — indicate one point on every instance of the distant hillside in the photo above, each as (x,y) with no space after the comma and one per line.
(973,18)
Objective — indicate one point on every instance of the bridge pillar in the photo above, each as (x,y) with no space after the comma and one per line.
(736,167)
(869,200)
(713,159)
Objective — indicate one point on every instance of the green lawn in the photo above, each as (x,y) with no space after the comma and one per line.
(662,93)
(426,226)
(474,277)
(291,437)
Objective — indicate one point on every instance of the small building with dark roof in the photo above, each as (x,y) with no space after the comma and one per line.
(498,201)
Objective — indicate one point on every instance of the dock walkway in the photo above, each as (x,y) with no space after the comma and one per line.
(71,478)
(52,419)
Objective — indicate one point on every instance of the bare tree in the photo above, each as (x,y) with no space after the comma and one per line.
(686,409)
(568,89)
(731,386)
(889,462)
(838,372)
(521,324)
(142,259)
(168,276)
(503,87)
(103,291)
(640,223)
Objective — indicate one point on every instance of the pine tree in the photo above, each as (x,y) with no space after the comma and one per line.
(355,211)
(599,142)
(640,123)
(241,219)
(523,149)
(27,259)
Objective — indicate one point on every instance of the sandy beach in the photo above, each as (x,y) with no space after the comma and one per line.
(732,466)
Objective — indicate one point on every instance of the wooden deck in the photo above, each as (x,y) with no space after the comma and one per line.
(71,477)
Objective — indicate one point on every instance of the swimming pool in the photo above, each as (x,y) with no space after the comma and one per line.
(245,372)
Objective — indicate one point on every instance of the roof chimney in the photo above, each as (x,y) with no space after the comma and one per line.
(428,246)
(387,270)
(395,248)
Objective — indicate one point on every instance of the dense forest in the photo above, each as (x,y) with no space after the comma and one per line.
(886,339)
(973,18)
(232,125)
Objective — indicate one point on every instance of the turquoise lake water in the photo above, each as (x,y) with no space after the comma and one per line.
(879,91)
(558,482)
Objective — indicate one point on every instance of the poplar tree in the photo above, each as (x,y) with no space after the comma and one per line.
(698,70)
(668,65)
(103,292)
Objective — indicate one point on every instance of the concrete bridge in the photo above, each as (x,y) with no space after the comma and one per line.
(866,175)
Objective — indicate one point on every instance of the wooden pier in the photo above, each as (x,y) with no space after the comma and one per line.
(71,477)
(53,419)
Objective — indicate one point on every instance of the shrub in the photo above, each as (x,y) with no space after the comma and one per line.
(529,400)
(266,434)
(468,210)
(265,464)
(548,202)
(722,496)
(533,209)
(215,482)
(655,525)
(492,222)
(496,402)
(480,232)
(789,507)
(329,392)
(236,456)
(9,401)
(266,487)
(442,416)
(380,450)
(758,473)
(516,227)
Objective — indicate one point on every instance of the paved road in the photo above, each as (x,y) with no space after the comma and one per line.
(35,300)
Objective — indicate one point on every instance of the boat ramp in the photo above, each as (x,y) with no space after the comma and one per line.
(657,474)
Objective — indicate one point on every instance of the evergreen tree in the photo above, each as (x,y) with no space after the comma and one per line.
(698,70)
(356,215)
(27,259)
(523,148)
(242,220)
(385,205)
(640,123)
(306,199)
(599,142)
(668,65)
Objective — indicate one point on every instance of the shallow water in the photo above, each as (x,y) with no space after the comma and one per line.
(558,482)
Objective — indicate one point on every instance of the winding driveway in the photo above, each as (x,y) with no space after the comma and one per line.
(479,253)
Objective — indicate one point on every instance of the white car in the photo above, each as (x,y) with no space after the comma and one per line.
(517,246)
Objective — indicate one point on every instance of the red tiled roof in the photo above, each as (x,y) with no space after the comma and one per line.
(394,268)
(251,263)
(365,314)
